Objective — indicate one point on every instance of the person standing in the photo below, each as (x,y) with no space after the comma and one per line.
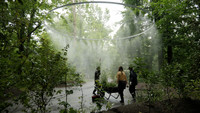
(122,81)
(132,82)
(96,79)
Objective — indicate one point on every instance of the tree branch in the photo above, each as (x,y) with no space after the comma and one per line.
(34,29)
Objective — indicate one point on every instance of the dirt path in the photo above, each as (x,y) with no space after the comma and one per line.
(87,88)
(74,99)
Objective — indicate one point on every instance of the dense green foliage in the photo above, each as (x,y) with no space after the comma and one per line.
(178,23)
(30,66)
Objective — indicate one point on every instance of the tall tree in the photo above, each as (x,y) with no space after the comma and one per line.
(178,22)
(20,23)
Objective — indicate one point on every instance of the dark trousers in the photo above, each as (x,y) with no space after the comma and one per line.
(121,93)
(121,87)
(132,90)
(94,91)
(95,87)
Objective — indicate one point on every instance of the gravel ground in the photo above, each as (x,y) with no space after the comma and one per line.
(75,101)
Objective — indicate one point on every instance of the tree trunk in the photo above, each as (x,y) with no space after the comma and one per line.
(169,54)
(21,38)
(160,56)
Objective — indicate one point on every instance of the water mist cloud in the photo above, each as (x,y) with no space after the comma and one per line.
(86,55)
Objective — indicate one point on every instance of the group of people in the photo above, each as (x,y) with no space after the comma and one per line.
(121,81)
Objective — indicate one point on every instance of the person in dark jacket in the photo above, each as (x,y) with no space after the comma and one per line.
(96,79)
(132,82)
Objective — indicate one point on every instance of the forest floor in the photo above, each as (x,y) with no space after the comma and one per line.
(172,106)
(175,105)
